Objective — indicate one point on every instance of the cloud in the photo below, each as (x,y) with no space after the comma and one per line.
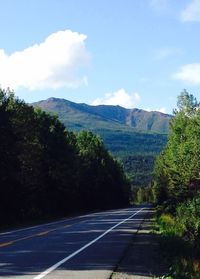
(56,62)
(120,97)
(162,109)
(191,12)
(189,73)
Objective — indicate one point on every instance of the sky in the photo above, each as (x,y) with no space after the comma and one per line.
(132,53)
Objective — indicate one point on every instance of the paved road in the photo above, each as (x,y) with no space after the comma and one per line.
(86,247)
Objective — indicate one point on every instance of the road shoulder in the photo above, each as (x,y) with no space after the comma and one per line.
(142,258)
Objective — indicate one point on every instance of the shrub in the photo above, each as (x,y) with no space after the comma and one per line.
(166,223)
(188,220)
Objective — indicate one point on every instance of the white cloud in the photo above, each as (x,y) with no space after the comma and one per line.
(191,12)
(56,62)
(162,109)
(120,97)
(189,73)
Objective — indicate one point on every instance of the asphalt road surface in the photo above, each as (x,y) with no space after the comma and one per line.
(88,246)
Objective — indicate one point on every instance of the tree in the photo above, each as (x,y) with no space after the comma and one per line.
(179,164)
(187,104)
(9,164)
(101,179)
(47,171)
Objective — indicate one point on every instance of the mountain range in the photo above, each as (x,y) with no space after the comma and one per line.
(82,116)
(134,135)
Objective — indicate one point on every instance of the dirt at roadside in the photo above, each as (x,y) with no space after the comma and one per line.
(142,259)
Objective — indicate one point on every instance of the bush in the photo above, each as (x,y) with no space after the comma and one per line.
(180,243)
(188,220)
(166,223)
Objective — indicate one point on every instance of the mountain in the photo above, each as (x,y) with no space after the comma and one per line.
(82,116)
(134,135)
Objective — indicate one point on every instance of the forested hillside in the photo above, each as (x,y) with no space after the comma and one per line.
(83,116)
(48,171)
(129,134)
(177,190)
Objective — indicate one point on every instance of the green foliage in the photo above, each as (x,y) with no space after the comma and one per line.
(182,258)
(141,195)
(47,171)
(176,186)
(181,239)
(188,220)
(101,172)
(166,223)
(126,143)
(139,168)
(178,166)
(187,104)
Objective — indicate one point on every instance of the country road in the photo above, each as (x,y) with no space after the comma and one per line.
(88,246)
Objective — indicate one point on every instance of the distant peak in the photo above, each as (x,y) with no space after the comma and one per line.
(52,99)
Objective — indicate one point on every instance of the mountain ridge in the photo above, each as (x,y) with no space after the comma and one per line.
(135,118)
(127,133)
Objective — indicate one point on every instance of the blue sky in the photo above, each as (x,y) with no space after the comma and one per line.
(134,53)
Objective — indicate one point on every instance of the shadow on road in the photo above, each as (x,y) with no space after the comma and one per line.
(100,258)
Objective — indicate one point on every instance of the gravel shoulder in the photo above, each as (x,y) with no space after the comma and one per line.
(142,258)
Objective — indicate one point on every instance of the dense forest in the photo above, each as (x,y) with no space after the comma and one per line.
(139,167)
(176,190)
(47,171)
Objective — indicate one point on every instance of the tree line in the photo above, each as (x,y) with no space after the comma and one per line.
(177,169)
(47,171)
(176,189)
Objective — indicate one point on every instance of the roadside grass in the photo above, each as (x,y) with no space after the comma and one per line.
(181,256)
(179,242)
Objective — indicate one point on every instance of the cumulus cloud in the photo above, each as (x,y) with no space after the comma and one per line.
(56,62)
(189,73)
(120,97)
(191,12)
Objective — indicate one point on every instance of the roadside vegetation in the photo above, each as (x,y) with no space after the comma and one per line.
(47,171)
(176,190)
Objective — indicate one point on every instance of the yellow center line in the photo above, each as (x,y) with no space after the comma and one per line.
(67,226)
(31,236)
(43,233)
(6,244)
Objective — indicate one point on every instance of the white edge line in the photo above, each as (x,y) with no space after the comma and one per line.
(53,267)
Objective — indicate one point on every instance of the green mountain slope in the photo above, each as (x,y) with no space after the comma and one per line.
(134,118)
(131,134)
(79,116)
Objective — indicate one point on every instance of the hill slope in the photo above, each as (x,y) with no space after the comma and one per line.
(79,116)
(134,135)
